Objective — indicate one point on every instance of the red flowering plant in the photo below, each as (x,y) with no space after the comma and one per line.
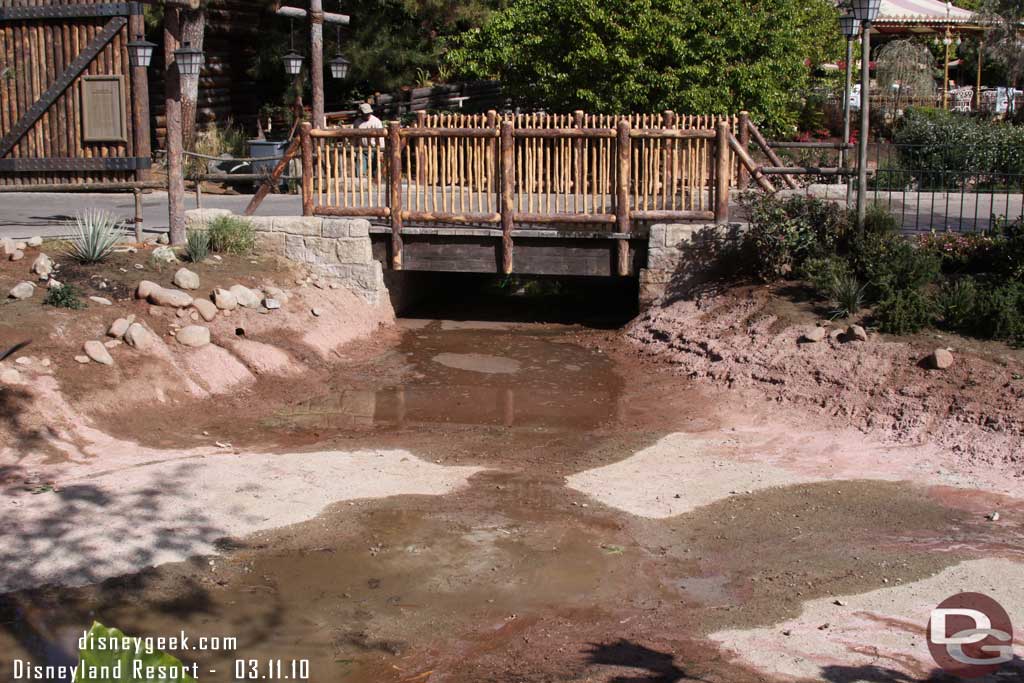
(962,252)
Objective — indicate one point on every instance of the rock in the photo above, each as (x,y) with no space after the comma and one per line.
(139,266)
(22,290)
(113,343)
(840,603)
(316,312)
(815,334)
(207,309)
(24,360)
(992,516)
(82,359)
(20,246)
(101,301)
(181,313)
(7,244)
(276,293)
(163,239)
(271,304)
(224,300)
(45,362)
(940,359)
(193,315)
(35,242)
(246,297)
(145,288)
(11,376)
(174,298)
(163,255)
(42,266)
(52,284)
(856,333)
(98,352)
(118,328)
(186,279)
(17,255)
(194,336)
(139,337)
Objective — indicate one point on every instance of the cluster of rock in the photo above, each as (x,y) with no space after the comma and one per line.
(42,267)
(939,359)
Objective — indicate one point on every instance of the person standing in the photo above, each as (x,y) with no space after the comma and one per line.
(370,148)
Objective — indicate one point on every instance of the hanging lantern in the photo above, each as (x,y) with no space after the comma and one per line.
(849,25)
(340,67)
(866,10)
(293,63)
(140,52)
(189,60)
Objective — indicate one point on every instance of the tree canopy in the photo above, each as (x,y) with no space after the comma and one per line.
(614,56)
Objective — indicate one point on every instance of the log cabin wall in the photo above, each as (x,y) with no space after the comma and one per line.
(50,52)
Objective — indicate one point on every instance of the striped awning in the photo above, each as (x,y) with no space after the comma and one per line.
(922,12)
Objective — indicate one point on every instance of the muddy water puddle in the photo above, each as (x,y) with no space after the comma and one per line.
(514,577)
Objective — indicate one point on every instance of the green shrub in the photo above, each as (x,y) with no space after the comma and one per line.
(1008,250)
(822,272)
(197,247)
(96,234)
(956,302)
(999,312)
(847,296)
(64,296)
(785,233)
(890,263)
(879,220)
(967,253)
(231,235)
(905,311)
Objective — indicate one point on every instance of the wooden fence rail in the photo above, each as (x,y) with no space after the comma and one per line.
(610,176)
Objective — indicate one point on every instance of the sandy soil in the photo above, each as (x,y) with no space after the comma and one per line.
(747,339)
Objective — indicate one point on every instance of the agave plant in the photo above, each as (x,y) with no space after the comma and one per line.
(97,233)
(198,245)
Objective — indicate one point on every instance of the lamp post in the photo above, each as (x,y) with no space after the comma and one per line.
(140,52)
(947,40)
(864,11)
(850,27)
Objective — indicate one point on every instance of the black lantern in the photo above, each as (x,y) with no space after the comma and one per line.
(849,25)
(340,67)
(189,60)
(866,10)
(140,52)
(293,63)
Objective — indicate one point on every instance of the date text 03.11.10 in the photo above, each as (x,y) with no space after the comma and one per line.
(271,669)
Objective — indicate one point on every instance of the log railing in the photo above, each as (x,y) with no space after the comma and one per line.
(605,177)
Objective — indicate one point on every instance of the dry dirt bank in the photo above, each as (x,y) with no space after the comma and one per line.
(749,339)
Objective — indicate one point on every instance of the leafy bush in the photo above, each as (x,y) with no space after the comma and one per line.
(64,296)
(785,233)
(905,311)
(231,235)
(890,263)
(999,312)
(971,252)
(955,303)
(128,658)
(197,247)
(1008,250)
(97,233)
(847,296)
(822,272)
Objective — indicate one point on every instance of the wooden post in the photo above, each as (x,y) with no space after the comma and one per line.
(395,183)
(175,143)
(622,221)
(722,173)
(981,57)
(421,150)
(743,182)
(140,97)
(508,189)
(137,195)
(316,60)
(307,169)
(578,181)
(275,177)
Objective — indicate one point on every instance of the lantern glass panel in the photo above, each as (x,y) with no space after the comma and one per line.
(293,63)
(189,60)
(140,52)
(866,10)
(340,67)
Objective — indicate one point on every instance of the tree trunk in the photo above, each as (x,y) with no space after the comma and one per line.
(193,29)
(175,156)
(316,60)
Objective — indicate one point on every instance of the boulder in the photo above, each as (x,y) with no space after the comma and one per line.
(22,290)
(246,297)
(940,359)
(53,284)
(815,334)
(35,242)
(10,376)
(118,328)
(7,246)
(186,279)
(173,298)
(42,266)
(101,301)
(145,288)
(163,239)
(17,255)
(207,309)
(856,333)
(271,304)
(224,299)
(139,337)
(98,352)
(163,255)
(193,335)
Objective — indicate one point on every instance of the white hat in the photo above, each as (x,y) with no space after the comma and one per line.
(365,108)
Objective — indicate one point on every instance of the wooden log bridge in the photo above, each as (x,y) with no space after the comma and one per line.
(569,200)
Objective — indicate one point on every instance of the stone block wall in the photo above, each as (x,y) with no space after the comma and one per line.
(682,256)
(337,248)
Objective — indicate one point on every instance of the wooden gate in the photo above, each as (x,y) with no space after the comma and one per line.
(72,109)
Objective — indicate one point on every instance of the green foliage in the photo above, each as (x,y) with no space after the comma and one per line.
(231,235)
(999,312)
(847,296)
(956,303)
(905,311)
(615,56)
(822,272)
(64,296)
(156,666)
(940,147)
(197,247)
(786,233)
(96,234)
